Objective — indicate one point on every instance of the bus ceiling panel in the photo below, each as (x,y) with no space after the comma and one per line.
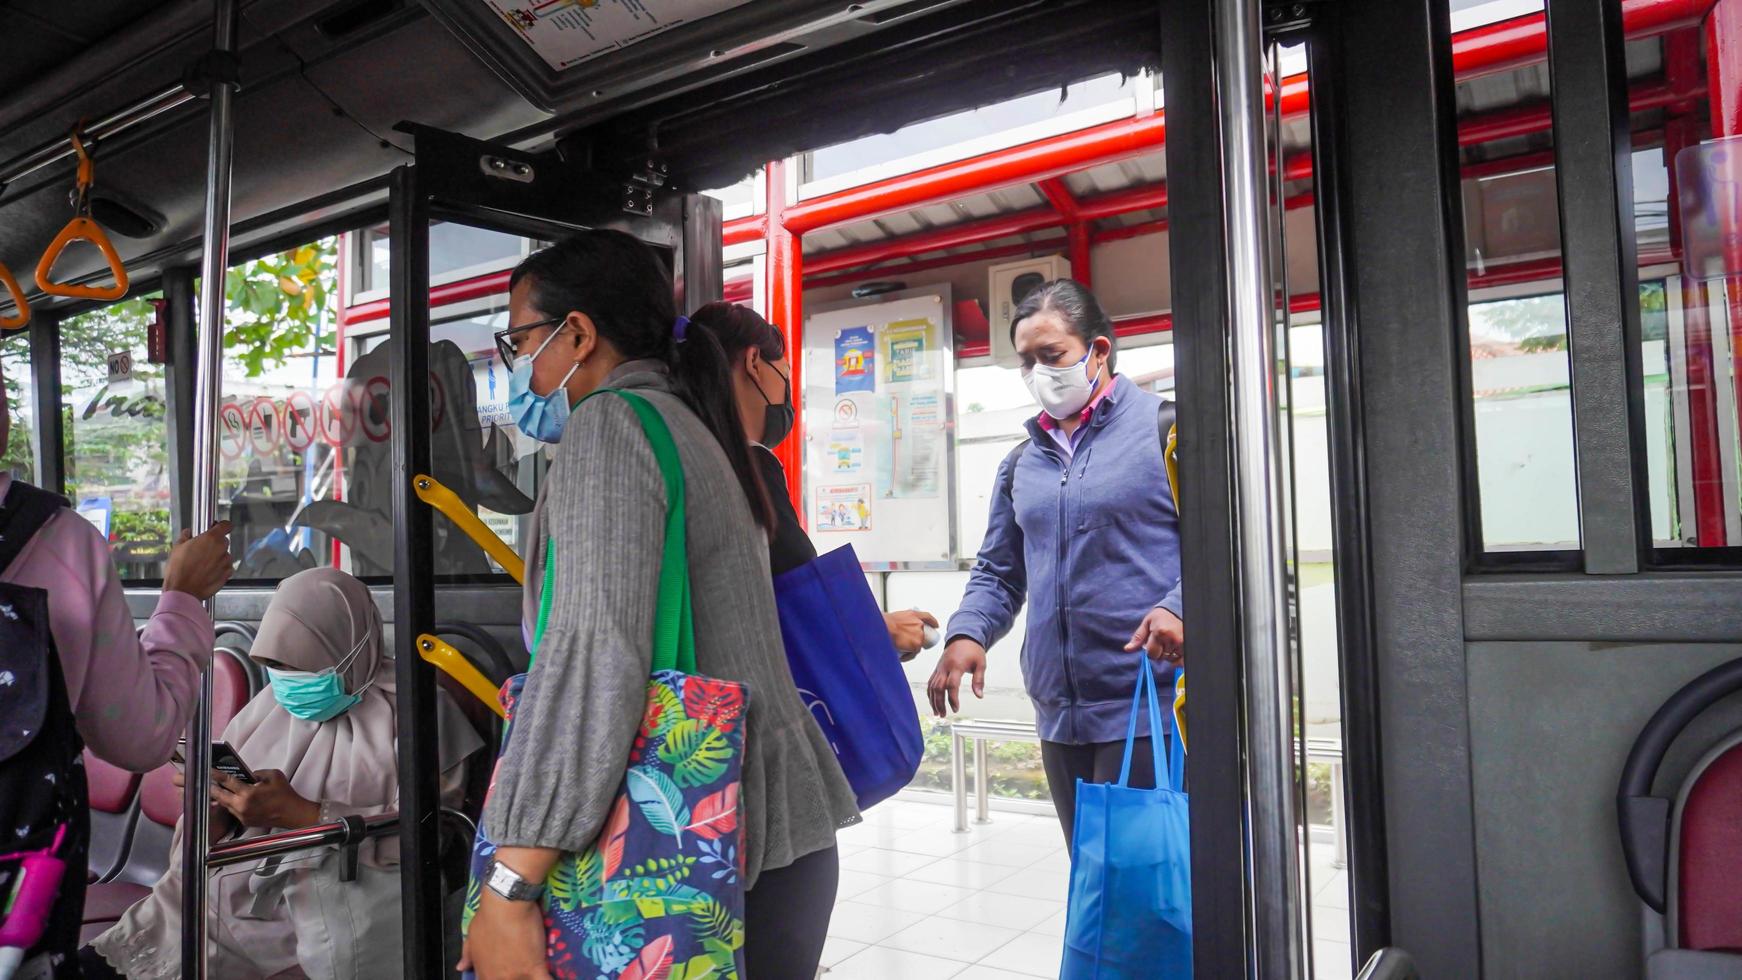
(290,147)
(968,55)
(45,38)
(592,55)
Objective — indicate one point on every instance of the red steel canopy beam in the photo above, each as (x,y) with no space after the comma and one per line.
(1480,51)
(937,262)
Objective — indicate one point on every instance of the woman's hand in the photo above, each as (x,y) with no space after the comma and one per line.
(199,566)
(218,820)
(1162,636)
(907,631)
(271,802)
(506,941)
(962,658)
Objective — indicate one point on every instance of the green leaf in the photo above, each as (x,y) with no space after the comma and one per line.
(698,753)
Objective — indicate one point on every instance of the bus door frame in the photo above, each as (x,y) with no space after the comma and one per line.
(539,195)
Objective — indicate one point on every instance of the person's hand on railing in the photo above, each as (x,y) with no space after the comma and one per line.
(199,565)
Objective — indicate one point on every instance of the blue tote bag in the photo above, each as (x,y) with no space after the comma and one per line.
(1130,911)
(849,674)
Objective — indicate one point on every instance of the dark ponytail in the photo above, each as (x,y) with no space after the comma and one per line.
(740,328)
(620,283)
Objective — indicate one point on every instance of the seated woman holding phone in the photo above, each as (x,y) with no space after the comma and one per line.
(317,745)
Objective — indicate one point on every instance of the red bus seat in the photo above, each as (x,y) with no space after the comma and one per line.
(114,801)
(1707,905)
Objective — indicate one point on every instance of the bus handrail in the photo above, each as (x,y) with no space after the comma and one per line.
(432,492)
(488,646)
(1389,963)
(454,663)
(22,317)
(344,832)
(82,228)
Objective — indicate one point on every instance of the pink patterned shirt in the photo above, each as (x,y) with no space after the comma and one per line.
(132,694)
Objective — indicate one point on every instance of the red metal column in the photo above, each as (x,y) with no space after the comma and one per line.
(785,268)
(1064,202)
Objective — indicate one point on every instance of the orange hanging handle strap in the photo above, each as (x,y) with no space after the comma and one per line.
(82,228)
(22,315)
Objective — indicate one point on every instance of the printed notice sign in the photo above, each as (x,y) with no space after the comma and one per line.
(844,508)
(909,343)
(855,360)
(567,32)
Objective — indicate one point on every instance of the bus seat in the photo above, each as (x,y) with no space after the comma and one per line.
(1706,910)
(105,903)
(114,802)
(1684,855)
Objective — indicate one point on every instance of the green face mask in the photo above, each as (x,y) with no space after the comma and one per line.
(317,696)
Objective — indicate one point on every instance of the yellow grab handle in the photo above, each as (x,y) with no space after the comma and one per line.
(82,228)
(1172,460)
(454,663)
(1180,709)
(21,317)
(430,491)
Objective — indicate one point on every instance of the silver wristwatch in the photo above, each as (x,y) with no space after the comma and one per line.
(504,881)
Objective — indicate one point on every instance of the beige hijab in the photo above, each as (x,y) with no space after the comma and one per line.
(316,620)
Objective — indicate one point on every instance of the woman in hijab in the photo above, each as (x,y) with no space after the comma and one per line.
(321,740)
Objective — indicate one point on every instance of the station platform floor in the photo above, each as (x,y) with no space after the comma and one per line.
(919,901)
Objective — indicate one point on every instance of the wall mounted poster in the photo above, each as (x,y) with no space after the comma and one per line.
(855,360)
(909,342)
(845,508)
(878,452)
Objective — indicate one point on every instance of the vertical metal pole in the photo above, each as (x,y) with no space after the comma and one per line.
(414,579)
(214,263)
(48,427)
(1276,898)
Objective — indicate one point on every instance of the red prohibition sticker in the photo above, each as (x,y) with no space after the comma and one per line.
(338,420)
(376,412)
(231,430)
(299,421)
(263,426)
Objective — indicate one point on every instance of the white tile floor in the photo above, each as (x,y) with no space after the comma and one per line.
(919,901)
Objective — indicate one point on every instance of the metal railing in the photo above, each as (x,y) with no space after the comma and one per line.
(1389,963)
(345,832)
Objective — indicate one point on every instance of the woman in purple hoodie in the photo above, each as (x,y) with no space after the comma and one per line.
(1083,529)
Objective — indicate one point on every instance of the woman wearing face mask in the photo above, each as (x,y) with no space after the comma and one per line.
(762,379)
(1083,528)
(592,312)
(322,741)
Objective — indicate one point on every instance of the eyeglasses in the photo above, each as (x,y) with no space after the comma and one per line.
(505,347)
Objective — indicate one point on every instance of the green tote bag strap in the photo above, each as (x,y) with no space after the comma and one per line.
(674,634)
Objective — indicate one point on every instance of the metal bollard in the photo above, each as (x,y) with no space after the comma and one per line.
(959,781)
(982,784)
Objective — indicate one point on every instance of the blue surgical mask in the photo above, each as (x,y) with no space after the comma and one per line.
(540,416)
(317,696)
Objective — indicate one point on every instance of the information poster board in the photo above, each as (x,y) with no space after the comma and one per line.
(880,429)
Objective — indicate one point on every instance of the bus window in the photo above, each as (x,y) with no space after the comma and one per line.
(17,457)
(281,371)
(117,433)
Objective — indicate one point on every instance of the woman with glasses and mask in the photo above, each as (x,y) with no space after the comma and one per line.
(321,741)
(762,381)
(596,312)
(1084,531)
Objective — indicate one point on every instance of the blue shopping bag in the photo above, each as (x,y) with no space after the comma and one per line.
(849,674)
(1130,911)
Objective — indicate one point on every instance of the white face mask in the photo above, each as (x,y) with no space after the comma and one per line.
(1062,391)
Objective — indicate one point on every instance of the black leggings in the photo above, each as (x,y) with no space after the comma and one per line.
(786,918)
(1096,762)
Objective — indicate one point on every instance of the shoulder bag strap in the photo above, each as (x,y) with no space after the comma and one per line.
(24,511)
(674,641)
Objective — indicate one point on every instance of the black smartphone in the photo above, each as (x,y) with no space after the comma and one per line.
(226,761)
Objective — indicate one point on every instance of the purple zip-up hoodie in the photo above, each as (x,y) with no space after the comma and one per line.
(1092,544)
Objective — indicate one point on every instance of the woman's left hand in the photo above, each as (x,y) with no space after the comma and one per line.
(506,941)
(271,802)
